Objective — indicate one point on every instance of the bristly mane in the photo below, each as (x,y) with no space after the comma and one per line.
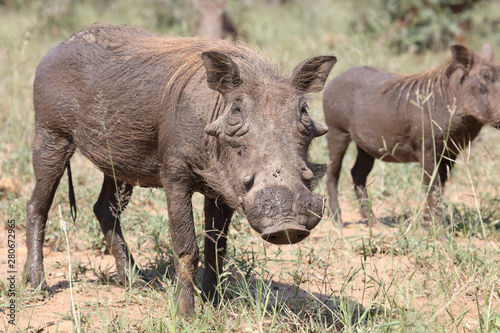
(417,87)
(180,56)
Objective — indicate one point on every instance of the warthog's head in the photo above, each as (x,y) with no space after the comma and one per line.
(263,134)
(474,78)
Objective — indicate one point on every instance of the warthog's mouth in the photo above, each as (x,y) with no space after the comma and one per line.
(285,233)
(282,216)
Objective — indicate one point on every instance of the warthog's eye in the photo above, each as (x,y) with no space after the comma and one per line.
(304,125)
(486,75)
(234,117)
(303,109)
(235,124)
(235,109)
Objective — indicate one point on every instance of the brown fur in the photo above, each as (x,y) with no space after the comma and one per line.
(425,118)
(184,114)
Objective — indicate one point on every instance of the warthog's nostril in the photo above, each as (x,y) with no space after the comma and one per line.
(301,236)
(272,239)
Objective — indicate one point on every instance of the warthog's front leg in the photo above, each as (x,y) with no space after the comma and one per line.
(338,141)
(434,208)
(217,220)
(182,233)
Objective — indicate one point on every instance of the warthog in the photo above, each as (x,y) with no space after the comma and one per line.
(389,116)
(186,115)
(212,20)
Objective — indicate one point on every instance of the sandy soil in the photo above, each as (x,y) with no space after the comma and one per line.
(309,284)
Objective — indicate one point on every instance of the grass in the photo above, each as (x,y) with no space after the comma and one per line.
(400,279)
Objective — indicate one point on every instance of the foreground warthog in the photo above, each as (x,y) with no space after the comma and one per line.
(187,115)
(389,118)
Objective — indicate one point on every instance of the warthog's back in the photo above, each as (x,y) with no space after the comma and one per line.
(95,88)
(118,91)
(357,102)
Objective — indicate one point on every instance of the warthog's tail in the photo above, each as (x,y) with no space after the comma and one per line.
(72,201)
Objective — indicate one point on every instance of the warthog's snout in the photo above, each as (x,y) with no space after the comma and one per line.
(283,216)
(285,233)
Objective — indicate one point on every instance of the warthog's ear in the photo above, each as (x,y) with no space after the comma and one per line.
(488,52)
(222,73)
(461,58)
(310,75)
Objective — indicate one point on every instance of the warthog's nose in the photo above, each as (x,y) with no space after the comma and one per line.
(285,233)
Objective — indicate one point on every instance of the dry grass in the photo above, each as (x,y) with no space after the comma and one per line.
(395,277)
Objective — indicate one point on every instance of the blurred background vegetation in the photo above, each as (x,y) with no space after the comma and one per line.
(407,36)
(397,25)
(404,24)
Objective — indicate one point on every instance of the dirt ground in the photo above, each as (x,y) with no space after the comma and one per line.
(54,313)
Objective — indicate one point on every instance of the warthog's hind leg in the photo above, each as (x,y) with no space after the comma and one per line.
(359,172)
(112,201)
(51,153)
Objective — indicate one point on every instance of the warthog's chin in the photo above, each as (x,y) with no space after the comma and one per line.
(280,230)
(288,232)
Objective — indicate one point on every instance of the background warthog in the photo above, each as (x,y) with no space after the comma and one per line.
(184,114)
(212,20)
(385,114)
